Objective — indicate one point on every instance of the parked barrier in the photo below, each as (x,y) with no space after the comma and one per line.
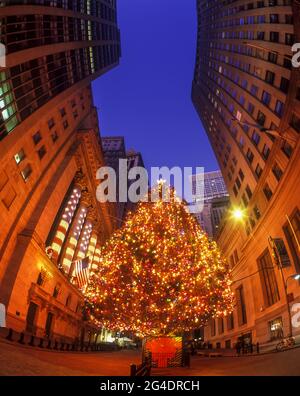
(51,344)
(141,370)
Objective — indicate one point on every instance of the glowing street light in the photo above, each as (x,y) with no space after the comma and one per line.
(238,214)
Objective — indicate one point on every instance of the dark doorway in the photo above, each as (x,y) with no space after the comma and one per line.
(49,323)
(31,318)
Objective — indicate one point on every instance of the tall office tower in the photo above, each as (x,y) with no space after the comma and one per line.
(247,94)
(215,200)
(134,159)
(50,151)
(114,151)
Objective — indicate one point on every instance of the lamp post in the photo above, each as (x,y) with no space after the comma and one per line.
(272,132)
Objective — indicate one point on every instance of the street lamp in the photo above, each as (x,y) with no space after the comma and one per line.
(238,214)
(272,132)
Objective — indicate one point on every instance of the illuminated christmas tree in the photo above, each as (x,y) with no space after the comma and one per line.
(159,274)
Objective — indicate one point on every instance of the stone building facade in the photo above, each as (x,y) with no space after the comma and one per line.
(50,151)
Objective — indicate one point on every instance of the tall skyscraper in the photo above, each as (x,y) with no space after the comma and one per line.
(247,94)
(134,159)
(114,150)
(50,152)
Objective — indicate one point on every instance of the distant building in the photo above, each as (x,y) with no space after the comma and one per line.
(218,209)
(114,150)
(214,185)
(134,160)
(215,200)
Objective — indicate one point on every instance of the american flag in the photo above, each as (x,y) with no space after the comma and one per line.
(81,271)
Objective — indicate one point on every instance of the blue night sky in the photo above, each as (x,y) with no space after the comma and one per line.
(147,98)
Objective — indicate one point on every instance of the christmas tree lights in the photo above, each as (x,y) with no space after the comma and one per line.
(159,274)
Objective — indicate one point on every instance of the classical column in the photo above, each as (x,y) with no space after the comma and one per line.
(65,222)
(70,246)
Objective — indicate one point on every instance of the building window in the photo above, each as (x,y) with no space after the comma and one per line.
(221,325)
(62,112)
(56,290)
(68,300)
(268,279)
(213,327)
(9,197)
(26,172)
(20,156)
(277,171)
(270,77)
(249,192)
(287,149)
(266,98)
(238,183)
(241,174)
(276,329)
(292,233)
(41,279)
(295,122)
(255,138)
(230,321)
(258,170)
(289,39)
(41,152)
(274,37)
(284,84)
(54,136)
(37,137)
(272,57)
(51,123)
(241,306)
(250,156)
(256,212)
(280,253)
(245,201)
(279,108)
(266,151)
(261,118)
(268,192)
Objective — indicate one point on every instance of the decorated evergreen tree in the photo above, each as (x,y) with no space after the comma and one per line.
(159,274)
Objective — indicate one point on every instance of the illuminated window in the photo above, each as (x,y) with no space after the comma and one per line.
(20,156)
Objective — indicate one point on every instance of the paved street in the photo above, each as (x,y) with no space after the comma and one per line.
(18,360)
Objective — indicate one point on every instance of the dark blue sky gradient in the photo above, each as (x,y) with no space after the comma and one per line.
(147,98)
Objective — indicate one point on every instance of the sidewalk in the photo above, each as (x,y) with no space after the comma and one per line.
(264,349)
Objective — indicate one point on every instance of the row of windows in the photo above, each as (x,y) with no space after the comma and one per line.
(105,9)
(57,291)
(36,82)
(252,20)
(210,9)
(267,191)
(26,169)
(27,31)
